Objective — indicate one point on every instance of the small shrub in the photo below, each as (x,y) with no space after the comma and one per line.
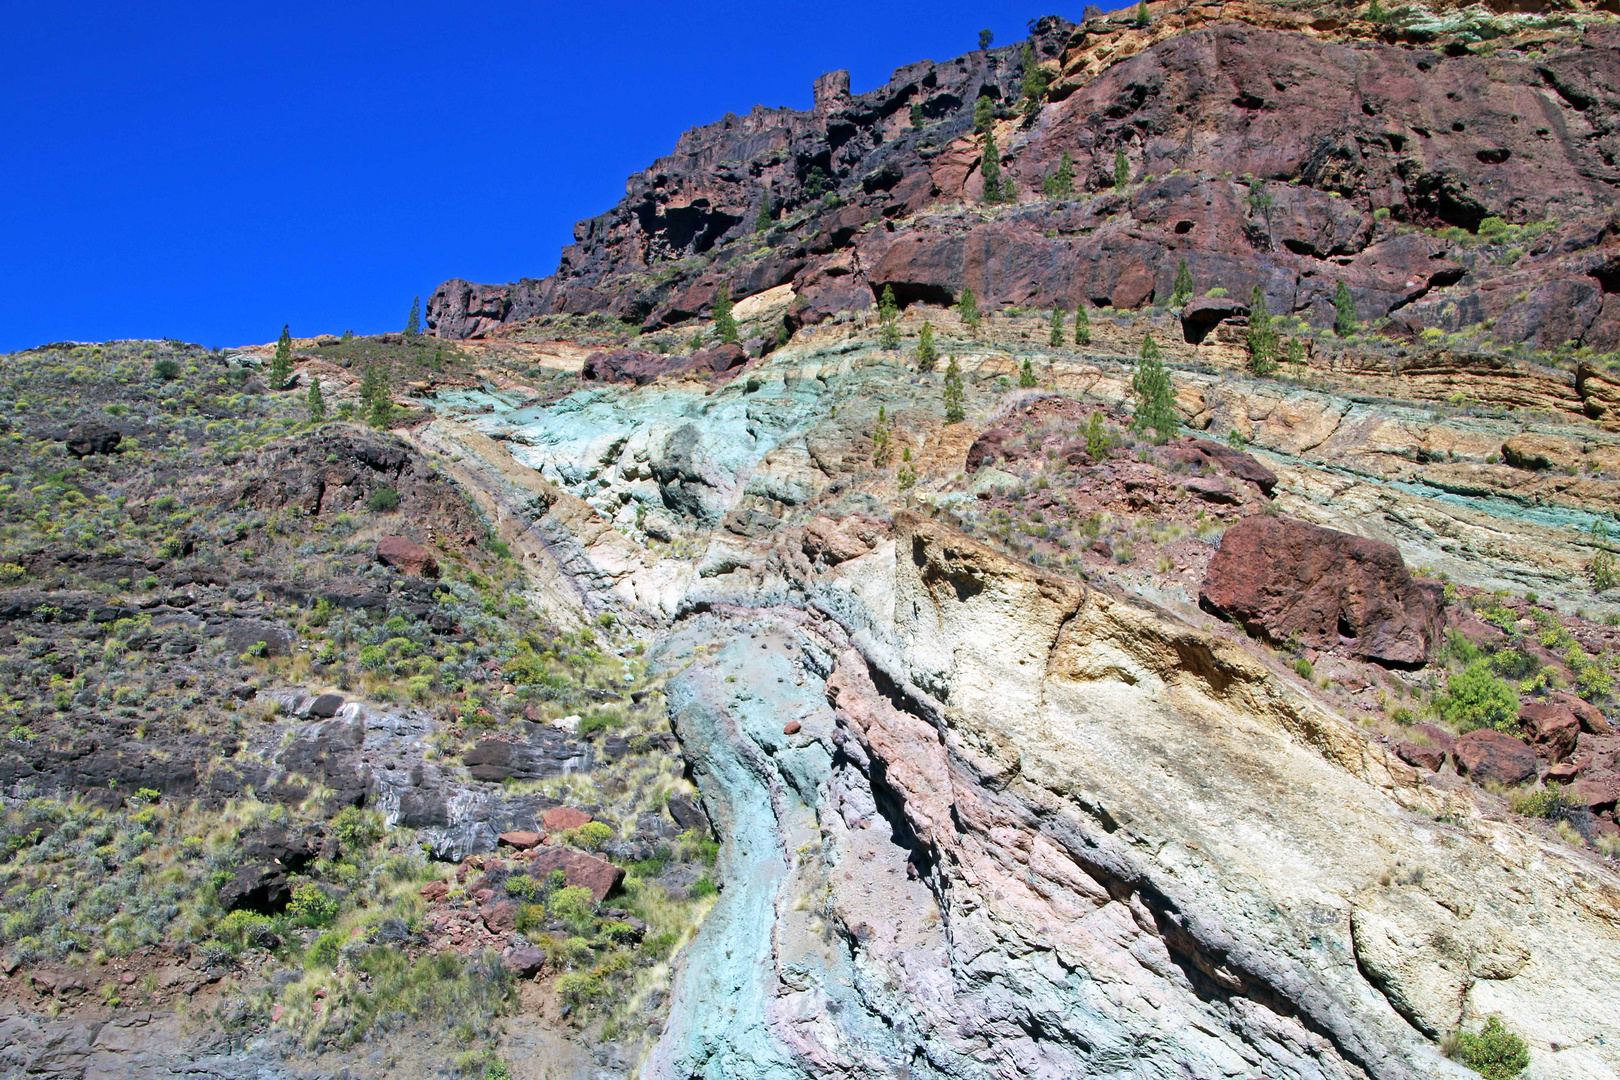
(703,886)
(574,906)
(1494,1052)
(240,928)
(579,988)
(357,829)
(312,906)
(593,835)
(383,500)
(323,951)
(1477,699)
(167,369)
(1548,803)
(1303,667)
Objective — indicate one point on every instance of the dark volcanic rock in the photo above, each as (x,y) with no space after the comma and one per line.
(1204,314)
(1288,580)
(260,887)
(92,438)
(547,753)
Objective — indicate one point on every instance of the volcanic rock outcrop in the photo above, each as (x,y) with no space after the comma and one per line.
(1286,579)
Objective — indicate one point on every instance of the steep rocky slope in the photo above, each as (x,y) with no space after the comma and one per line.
(1033,742)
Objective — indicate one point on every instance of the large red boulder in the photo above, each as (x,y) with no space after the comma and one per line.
(1591,718)
(1289,581)
(1552,726)
(1487,754)
(586,871)
(407,556)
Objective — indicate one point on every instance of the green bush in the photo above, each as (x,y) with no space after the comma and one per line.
(1494,1052)
(579,988)
(592,835)
(575,907)
(1548,803)
(383,499)
(167,369)
(312,906)
(323,951)
(1477,699)
(703,886)
(357,829)
(1303,667)
(240,928)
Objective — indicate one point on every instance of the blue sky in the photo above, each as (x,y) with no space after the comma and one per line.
(210,171)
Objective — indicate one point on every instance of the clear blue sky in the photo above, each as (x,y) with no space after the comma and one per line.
(209,171)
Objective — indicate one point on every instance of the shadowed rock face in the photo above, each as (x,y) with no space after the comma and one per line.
(1285,579)
(1334,126)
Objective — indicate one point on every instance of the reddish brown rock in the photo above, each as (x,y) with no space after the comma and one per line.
(1419,756)
(1595,795)
(1214,490)
(586,871)
(1591,718)
(790,728)
(1287,580)
(520,839)
(1437,736)
(434,890)
(559,818)
(501,917)
(1551,726)
(407,556)
(1563,772)
(524,963)
(836,541)
(1487,754)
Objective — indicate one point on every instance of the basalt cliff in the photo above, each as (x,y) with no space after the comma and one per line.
(1152,616)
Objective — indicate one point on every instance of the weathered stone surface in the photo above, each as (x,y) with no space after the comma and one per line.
(525,962)
(1204,313)
(586,871)
(1290,580)
(1491,755)
(1552,726)
(407,556)
(520,839)
(1420,756)
(501,917)
(1590,716)
(326,706)
(1529,451)
(559,818)
(243,635)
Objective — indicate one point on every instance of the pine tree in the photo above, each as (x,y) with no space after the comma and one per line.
(280,369)
(317,404)
(1344,307)
(763,221)
(1060,185)
(927,355)
(373,385)
(984,114)
(1009,190)
(968,308)
(1155,397)
(1057,327)
(413,322)
(1142,16)
(1097,440)
(725,327)
(955,396)
(917,118)
(1182,291)
(880,438)
(1122,168)
(888,319)
(1036,79)
(990,169)
(1026,375)
(1262,340)
(985,38)
(1082,325)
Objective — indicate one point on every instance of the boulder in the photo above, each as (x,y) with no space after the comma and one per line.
(1591,718)
(1594,795)
(1488,754)
(260,887)
(586,871)
(277,845)
(1438,737)
(1290,581)
(520,839)
(241,635)
(434,890)
(501,917)
(1420,756)
(90,438)
(559,818)
(524,963)
(325,706)
(1212,489)
(689,815)
(1551,726)
(637,366)
(407,556)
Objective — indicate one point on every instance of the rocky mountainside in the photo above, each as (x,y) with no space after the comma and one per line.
(633,678)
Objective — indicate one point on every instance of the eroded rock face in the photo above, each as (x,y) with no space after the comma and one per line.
(407,556)
(1289,580)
